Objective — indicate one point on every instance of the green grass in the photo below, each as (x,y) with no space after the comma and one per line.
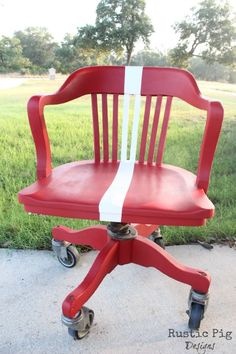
(70,132)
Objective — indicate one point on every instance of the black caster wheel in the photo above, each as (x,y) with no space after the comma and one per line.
(196,313)
(160,242)
(73,333)
(85,321)
(157,238)
(71,259)
(76,335)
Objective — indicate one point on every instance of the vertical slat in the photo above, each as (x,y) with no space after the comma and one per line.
(154,129)
(105,128)
(162,140)
(115,128)
(95,128)
(145,129)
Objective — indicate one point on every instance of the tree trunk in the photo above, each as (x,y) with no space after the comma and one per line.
(128,53)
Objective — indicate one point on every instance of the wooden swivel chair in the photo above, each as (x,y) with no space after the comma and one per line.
(126,184)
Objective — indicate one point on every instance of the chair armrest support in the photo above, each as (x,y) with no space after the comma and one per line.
(210,138)
(35,109)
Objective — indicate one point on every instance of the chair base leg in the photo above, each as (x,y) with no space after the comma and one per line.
(105,262)
(138,250)
(94,236)
(149,254)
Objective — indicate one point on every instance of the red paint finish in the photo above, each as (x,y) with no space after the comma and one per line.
(168,195)
(105,128)
(94,236)
(210,138)
(146,253)
(145,230)
(140,251)
(164,131)
(95,128)
(159,194)
(170,82)
(105,262)
(155,194)
(145,129)
(154,129)
(115,128)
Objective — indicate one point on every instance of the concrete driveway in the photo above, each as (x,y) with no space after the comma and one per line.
(137,310)
(9,82)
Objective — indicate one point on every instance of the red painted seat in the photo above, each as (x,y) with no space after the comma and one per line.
(127,181)
(158,195)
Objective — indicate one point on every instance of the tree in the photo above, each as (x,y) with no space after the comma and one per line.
(75,52)
(150,58)
(209,72)
(208,32)
(119,25)
(38,46)
(11,58)
(66,55)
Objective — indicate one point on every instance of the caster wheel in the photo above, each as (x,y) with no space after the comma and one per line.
(195,315)
(160,242)
(157,238)
(72,257)
(73,333)
(85,321)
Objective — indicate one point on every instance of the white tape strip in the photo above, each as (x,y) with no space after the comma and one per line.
(110,207)
(133,80)
(111,204)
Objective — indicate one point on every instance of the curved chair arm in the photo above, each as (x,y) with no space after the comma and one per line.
(35,110)
(71,89)
(210,138)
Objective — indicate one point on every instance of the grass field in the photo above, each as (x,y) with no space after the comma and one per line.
(70,132)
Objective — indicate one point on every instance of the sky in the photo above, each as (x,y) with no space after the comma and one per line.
(61,17)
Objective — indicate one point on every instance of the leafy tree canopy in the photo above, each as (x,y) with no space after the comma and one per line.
(38,46)
(11,58)
(149,58)
(119,25)
(76,52)
(208,32)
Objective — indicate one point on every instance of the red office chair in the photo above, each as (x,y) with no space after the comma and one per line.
(133,187)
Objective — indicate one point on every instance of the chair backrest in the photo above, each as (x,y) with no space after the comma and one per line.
(132,83)
(113,84)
